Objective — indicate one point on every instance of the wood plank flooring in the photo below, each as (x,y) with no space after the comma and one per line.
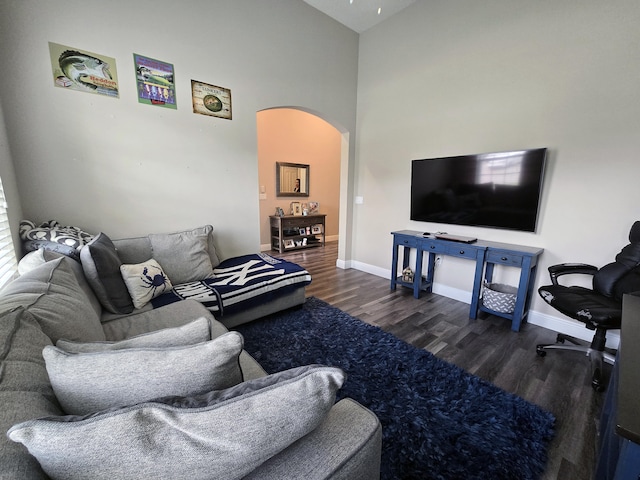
(486,347)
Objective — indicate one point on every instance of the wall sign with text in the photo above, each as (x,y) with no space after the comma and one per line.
(211,100)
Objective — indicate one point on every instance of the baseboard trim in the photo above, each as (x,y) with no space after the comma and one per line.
(550,322)
(570,327)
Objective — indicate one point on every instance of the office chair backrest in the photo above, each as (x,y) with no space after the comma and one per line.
(623,275)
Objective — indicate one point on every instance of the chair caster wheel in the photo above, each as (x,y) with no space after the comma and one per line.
(540,351)
(560,338)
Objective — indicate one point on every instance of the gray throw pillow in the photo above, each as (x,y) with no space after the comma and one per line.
(217,435)
(184,256)
(211,247)
(88,382)
(101,266)
(194,332)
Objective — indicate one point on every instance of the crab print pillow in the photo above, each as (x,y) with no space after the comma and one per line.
(145,281)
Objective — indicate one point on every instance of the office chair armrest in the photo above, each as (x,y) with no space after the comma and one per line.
(556,271)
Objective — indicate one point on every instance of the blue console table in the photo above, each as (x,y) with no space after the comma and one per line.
(486,255)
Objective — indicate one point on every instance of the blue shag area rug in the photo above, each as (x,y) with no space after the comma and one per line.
(438,422)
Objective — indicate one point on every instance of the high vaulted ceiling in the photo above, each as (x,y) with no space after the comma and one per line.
(359,15)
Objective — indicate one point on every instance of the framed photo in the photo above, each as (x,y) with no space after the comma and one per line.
(84,71)
(155,82)
(289,243)
(302,231)
(296,208)
(316,229)
(211,100)
(313,207)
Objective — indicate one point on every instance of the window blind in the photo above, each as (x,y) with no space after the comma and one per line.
(8,262)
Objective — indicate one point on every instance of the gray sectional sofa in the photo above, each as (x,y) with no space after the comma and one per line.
(253,425)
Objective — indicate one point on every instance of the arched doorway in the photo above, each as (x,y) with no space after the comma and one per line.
(297,135)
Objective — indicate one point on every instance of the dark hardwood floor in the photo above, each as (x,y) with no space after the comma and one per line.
(486,347)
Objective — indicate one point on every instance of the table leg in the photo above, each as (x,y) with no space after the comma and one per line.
(477,284)
(394,267)
(523,293)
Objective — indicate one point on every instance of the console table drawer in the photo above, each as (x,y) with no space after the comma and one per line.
(504,258)
(463,251)
(407,241)
(434,247)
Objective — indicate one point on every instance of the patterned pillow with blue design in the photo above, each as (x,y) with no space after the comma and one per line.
(145,281)
(53,231)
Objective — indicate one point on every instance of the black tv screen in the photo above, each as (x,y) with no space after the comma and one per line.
(499,190)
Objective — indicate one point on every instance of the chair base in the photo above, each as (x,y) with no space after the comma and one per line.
(596,355)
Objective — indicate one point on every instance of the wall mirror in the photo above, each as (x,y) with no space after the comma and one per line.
(292,180)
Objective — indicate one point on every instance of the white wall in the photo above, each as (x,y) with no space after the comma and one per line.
(446,78)
(129,169)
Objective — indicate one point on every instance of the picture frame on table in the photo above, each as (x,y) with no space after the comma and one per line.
(316,229)
(313,207)
(296,208)
(302,231)
(289,243)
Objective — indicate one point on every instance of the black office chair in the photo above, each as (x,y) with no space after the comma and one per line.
(600,308)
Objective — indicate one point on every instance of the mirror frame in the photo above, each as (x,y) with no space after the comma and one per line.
(279,192)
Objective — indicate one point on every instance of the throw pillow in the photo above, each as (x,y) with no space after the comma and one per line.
(35,258)
(218,435)
(145,281)
(101,266)
(184,256)
(211,247)
(88,382)
(70,236)
(32,245)
(197,331)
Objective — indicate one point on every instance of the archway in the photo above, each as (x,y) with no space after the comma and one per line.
(299,135)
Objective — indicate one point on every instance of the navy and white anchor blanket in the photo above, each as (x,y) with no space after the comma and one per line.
(240,283)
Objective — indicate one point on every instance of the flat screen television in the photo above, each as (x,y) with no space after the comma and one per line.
(496,190)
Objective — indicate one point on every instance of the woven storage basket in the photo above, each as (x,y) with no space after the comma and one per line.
(499,297)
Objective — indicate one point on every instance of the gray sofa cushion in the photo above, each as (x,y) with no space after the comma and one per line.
(346,446)
(25,391)
(101,266)
(172,315)
(183,256)
(53,296)
(134,249)
(89,382)
(138,249)
(223,434)
(41,256)
(194,332)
